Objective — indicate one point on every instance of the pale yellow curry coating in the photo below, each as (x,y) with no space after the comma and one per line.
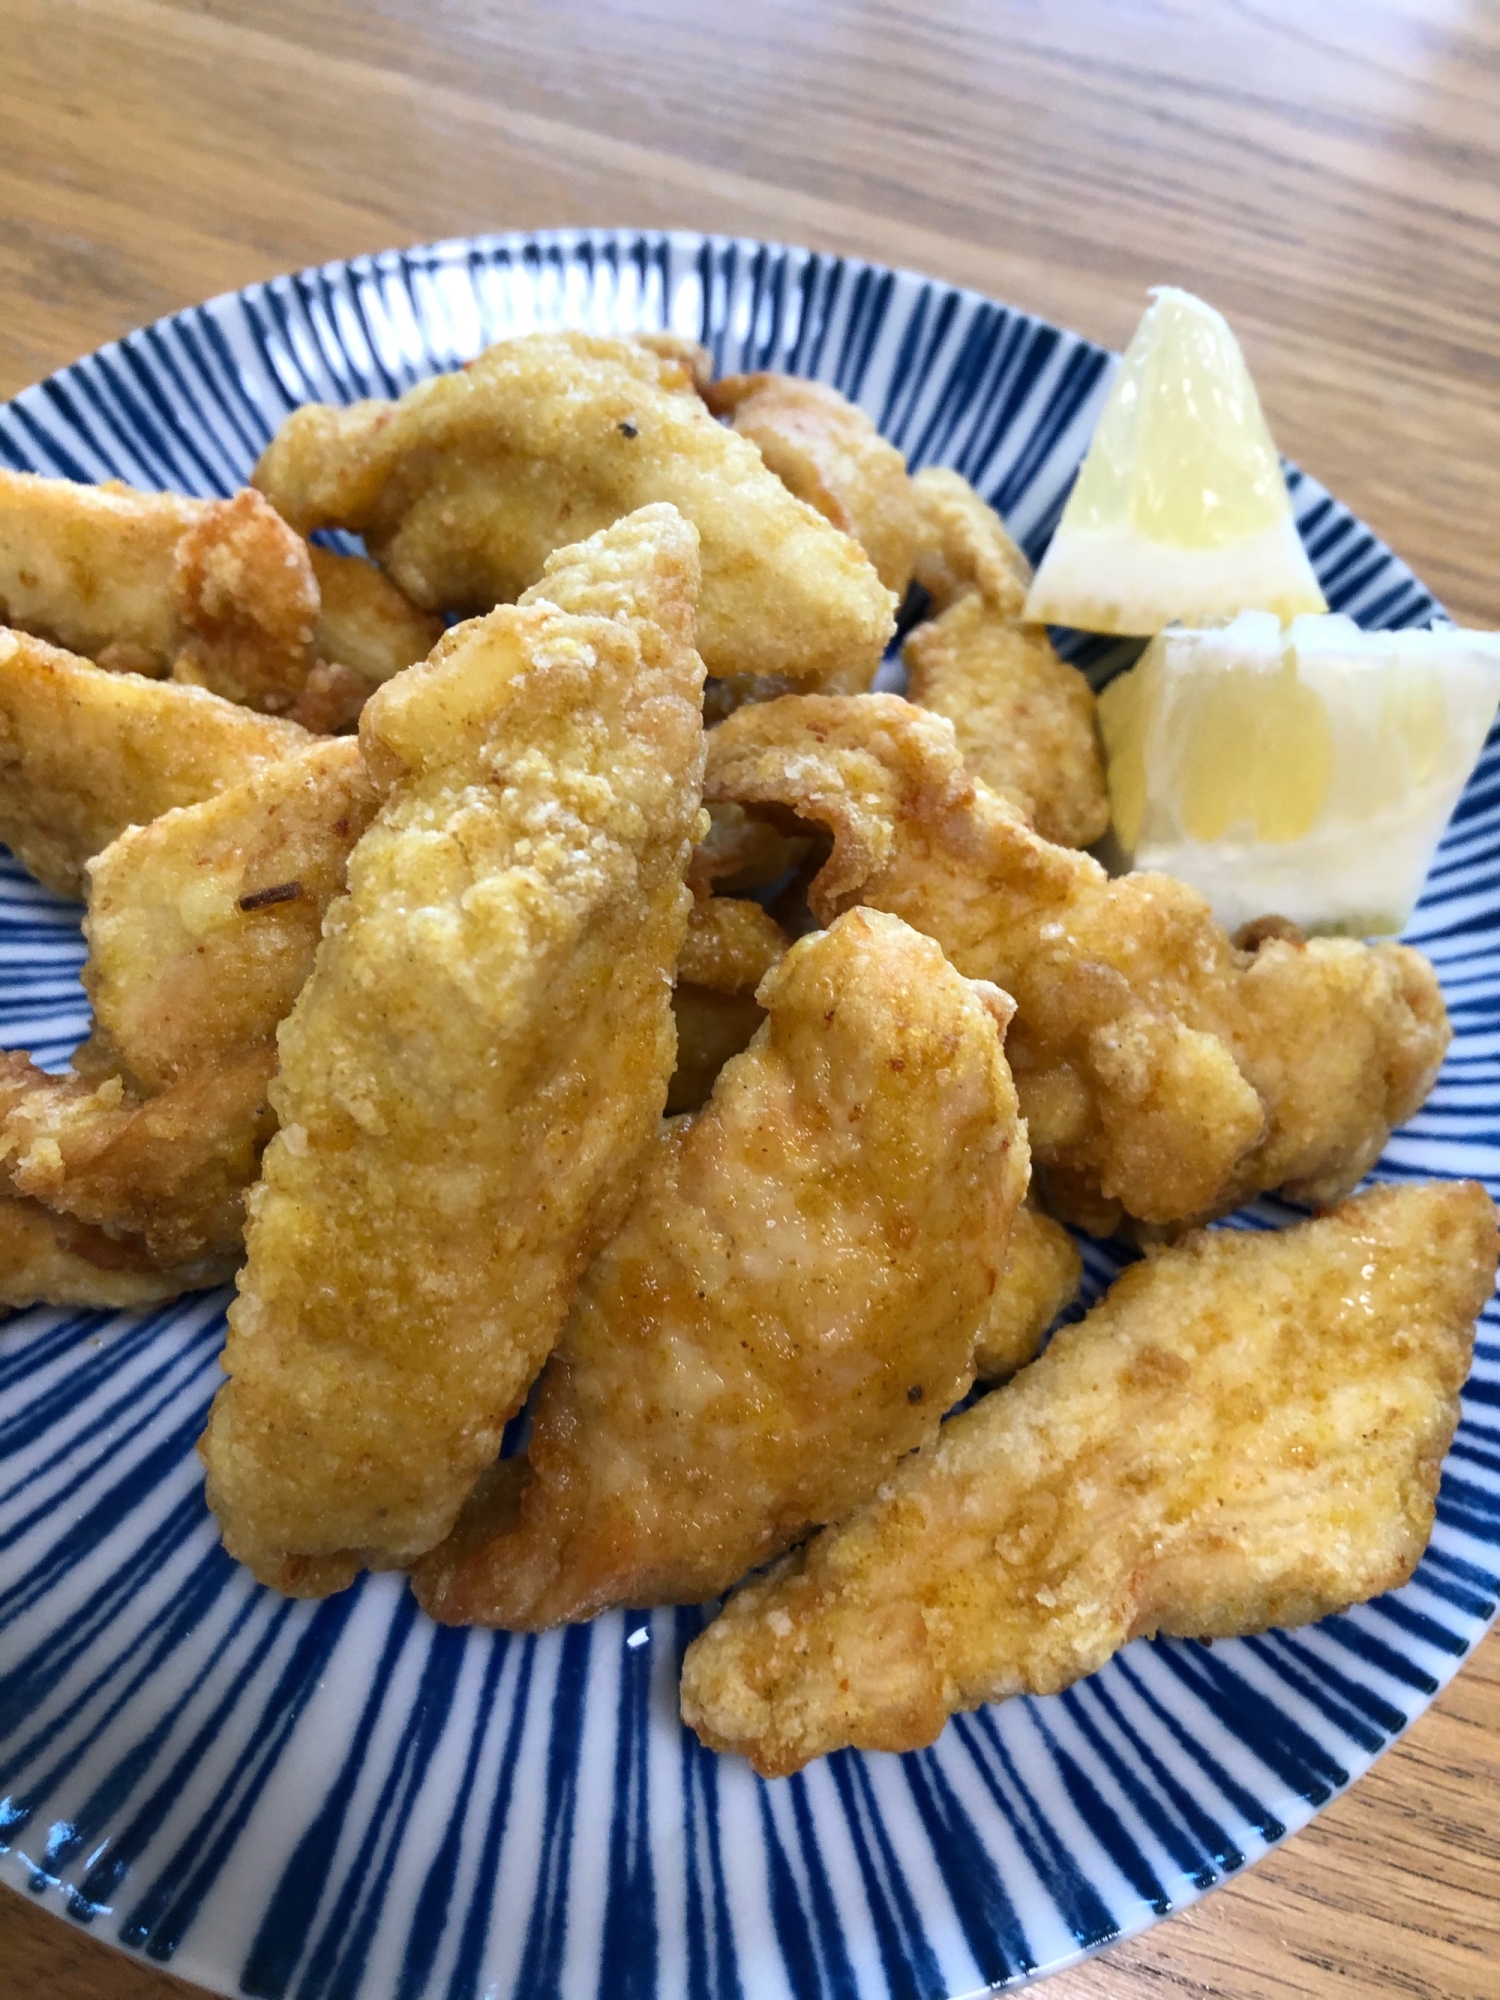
(1247,1431)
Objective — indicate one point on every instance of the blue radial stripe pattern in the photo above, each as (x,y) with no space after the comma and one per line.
(340,1801)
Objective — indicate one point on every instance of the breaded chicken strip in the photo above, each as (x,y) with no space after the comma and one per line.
(219,593)
(465,486)
(202,928)
(1162,1071)
(827,452)
(472,1074)
(1042,1274)
(788,1308)
(1247,1431)
(1024,719)
(48,1259)
(83,754)
(729,948)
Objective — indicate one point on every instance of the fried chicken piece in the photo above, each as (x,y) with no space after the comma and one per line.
(729,948)
(364,622)
(84,754)
(202,928)
(782,1315)
(963,546)
(1024,719)
(167,1172)
(473,1072)
(827,452)
(1161,1071)
(689,355)
(1042,1274)
(1246,1432)
(465,486)
(48,1259)
(219,593)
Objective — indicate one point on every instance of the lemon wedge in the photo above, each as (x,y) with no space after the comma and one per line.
(1180,512)
(1306,773)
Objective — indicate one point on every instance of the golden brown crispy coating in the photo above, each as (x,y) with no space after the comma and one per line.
(729,948)
(83,754)
(247,601)
(465,486)
(827,452)
(219,593)
(167,1172)
(472,1072)
(782,1315)
(48,1259)
(1161,1070)
(364,621)
(1246,1432)
(1023,718)
(90,568)
(691,356)
(963,545)
(1042,1274)
(202,928)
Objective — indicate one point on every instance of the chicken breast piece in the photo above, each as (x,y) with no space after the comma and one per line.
(85,754)
(472,1074)
(1024,719)
(827,452)
(218,593)
(730,947)
(1042,1273)
(202,928)
(789,1307)
(465,486)
(1247,1431)
(1162,1071)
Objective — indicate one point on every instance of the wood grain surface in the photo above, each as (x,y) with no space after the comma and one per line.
(1326,171)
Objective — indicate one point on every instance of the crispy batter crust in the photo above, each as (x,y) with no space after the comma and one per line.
(1162,1071)
(729,948)
(782,1315)
(1246,1432)
(829,454)
(48,1259)
(85,754)
(465,486)
(1042,1274)
(472,1071)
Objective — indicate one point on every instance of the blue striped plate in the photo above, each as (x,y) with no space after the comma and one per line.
(340,1801)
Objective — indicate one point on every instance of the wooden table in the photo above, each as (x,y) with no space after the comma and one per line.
(1328,174)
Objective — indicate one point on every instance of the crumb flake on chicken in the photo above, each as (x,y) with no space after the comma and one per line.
(84,754)
(1042,1274)
(1162,1071)
(465,486)
(826,451)
(1024,719)
(1246,1432)
(782,1315)
(472,1073)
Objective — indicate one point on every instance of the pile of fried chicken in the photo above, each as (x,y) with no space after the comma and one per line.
(607,1004)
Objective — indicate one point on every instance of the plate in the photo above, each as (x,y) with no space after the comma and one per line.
(341,1801)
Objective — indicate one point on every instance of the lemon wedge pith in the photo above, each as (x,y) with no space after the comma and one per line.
(1180,512)
(1306,773)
